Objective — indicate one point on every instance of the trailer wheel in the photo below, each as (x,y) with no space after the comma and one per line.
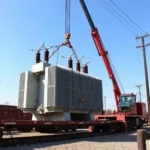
(140,124)
(129,125)
(94,129)
(133,124)
(1,134)
(73,130)
(118,128)
(66,130)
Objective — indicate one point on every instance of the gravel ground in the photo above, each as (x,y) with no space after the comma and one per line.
(108,142)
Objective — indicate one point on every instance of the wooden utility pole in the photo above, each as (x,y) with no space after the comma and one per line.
(146,72)
(139,87)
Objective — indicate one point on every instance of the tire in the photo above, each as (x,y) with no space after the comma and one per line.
(140,124)
(118,128)
(96,129)
(73,130)
(1,134)
(129,126)
(133,124)
(66,130)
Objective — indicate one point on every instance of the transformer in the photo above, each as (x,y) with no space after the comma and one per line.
(57,90)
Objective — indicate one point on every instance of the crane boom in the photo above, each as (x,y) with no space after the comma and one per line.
(102,52)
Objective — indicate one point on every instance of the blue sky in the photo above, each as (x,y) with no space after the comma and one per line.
(27,24)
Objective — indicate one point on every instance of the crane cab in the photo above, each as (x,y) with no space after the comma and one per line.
(127,104)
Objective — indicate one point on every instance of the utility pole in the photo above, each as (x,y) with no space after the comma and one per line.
(139,87)
(146,72)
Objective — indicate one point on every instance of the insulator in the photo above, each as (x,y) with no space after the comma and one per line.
(70,63)
(38,57)
(85,69)
(46,55)
(78,66)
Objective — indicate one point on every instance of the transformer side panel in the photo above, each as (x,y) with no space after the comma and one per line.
(75,88)
(41,91)
(21,90)
(51,97)
(51,88)
(68,89)
(32,90)
(63,87)
(28,90)
(75,99)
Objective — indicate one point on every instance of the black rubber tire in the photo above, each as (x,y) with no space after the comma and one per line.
(73,130)
(1,134)
(66,130)
(129,126)
(133,124)
(118,128)
(140,125)
(96,129)
(106,128)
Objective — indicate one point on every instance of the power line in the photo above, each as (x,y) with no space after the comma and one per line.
(116,17)
(128,17)
(127,21)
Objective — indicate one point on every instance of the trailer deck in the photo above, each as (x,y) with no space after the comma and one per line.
(58,126)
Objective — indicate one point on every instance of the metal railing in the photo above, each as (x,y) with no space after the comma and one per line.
(142,136)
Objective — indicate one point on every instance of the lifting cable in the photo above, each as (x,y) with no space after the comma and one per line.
(67,19)
(116,74)
(67,44)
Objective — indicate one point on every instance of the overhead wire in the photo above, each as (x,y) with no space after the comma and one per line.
(127,21)
(123,20)
(128,17)
(104,5)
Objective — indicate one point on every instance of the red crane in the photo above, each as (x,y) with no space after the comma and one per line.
(124,102)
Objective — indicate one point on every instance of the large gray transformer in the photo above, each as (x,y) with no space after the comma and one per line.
(58,89)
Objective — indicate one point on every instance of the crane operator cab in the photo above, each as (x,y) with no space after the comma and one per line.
(127,102)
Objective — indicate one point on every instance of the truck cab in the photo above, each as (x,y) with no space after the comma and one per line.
(127,103)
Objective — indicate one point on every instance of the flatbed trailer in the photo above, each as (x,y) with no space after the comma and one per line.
(58,126)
